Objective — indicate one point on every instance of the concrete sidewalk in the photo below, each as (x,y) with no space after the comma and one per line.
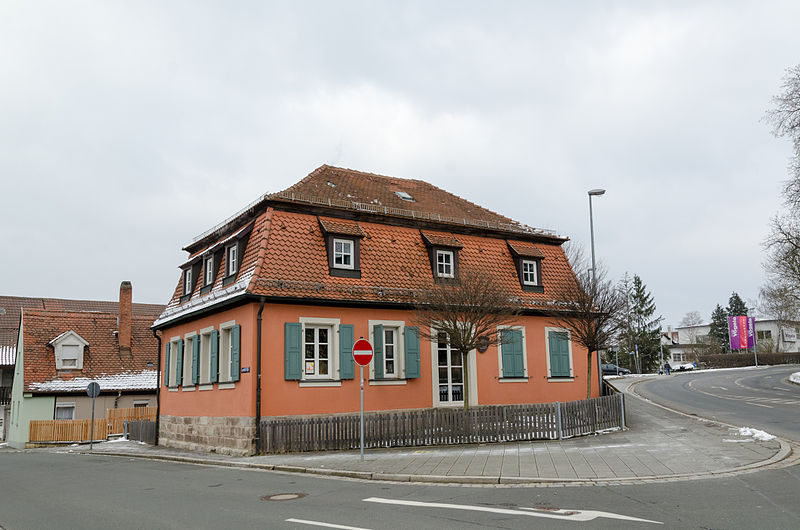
(658,445)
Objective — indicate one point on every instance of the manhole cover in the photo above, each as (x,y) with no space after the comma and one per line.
(283,496)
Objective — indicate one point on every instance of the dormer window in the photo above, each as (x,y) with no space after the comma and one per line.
(444,263)
(69,348)
(528,263)
(530,272)
(209,270)
(233,263)
(343,253)
(187,281)
(343,246)
(443,253)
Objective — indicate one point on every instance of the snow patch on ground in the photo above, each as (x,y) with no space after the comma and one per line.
(795,378)
(755,433)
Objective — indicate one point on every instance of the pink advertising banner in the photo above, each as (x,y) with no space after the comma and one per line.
(742,332)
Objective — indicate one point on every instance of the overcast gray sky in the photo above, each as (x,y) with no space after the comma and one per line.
(127,128)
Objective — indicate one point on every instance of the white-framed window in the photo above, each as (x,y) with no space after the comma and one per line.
(393,351)
(444,264)
(232,265)
(343,254)
(225,349)
(205,356)
(558,346)
(69,348)
(209,268)
(188,345)
(450,371)
(66,411)
(173,361)
(512,352)
(187,281)
(530,274)
(320,348)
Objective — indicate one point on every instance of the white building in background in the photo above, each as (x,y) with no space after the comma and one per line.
(689,341)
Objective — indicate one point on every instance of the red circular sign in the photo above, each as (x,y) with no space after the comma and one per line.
(362,352)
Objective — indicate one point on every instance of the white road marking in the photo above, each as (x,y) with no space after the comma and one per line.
(759,405)
(326,525)
(720,387)
(564,515)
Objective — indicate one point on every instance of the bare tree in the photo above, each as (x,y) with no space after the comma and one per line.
(589,308)
(468,313)
(785,119)
(690,321)
(780,302)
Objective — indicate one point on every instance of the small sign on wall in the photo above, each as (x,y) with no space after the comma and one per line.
(309,367)
(245,369)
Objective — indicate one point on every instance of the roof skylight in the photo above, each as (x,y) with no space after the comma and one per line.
(405,196)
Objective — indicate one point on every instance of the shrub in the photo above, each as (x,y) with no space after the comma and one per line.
(733,360)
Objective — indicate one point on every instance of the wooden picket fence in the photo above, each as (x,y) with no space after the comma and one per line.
(80,430)
(67,430)
(118,417)
(484,424)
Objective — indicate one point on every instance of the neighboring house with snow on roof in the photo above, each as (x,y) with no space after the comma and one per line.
(341,255)
(59,352)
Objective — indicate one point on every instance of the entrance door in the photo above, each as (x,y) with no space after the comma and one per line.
(451,372)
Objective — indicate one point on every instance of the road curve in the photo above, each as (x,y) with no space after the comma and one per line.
(757,397)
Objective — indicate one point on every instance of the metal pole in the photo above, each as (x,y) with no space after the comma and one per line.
(661,348)
(558,416)
(594,286)
(622,407)
(361,379)
(91,436)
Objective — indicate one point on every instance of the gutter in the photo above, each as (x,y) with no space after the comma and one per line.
(258,376)
(158,384)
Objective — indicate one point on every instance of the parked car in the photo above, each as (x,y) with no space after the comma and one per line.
(613,369)
(684,367)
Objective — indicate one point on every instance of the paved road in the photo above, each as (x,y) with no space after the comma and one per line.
(757,397)
(47,490)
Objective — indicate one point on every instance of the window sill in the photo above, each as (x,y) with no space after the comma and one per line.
(560,379)
(387,382)
(185,297)
(206,289)
(226,386)
(229,279)
(173,389)
(513,379)
(308,383)
(188,388)
(208,386)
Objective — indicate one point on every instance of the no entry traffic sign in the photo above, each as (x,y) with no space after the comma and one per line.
(362,352)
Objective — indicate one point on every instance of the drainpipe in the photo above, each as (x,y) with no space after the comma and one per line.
(258,376)
(158,383)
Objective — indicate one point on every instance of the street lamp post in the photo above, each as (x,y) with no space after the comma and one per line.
(595,193)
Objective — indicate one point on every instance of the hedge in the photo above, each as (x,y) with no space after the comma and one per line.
(733,360)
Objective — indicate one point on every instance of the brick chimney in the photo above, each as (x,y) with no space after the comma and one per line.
(125,311)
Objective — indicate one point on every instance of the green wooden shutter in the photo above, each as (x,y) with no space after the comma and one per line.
(293,351)
(179,364)
(377,332)
(411,346)
(166,363)
(559,354)
(346,339)
(195,359)
(214,353)
(511,348)
(236,356)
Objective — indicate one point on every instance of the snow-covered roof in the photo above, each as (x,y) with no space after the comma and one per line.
(212,298)
(8,355)
(144,380)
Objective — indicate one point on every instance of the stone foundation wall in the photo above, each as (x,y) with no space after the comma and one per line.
(230,435)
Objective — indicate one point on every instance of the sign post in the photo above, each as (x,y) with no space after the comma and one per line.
(93,390)
(362,355)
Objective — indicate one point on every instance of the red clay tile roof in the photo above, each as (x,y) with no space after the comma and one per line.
(10,307)
(340,226)
(441,239)
(286,255)
(525,250)
(101,358)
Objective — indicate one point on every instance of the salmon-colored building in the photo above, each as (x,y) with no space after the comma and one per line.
(269,303)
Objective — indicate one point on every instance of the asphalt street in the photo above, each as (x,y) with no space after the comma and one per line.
(758,397)
(66,490)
